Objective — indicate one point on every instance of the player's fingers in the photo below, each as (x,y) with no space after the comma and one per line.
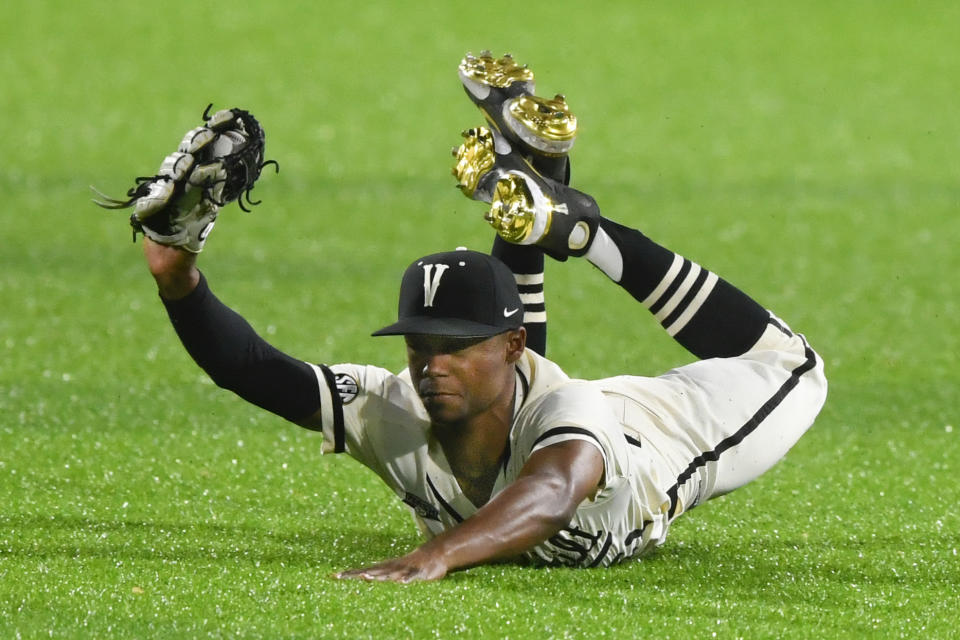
(376,572)
(383,573)
(353,574)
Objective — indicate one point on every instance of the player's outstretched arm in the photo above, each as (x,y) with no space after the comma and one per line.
(225,345)
(542,500)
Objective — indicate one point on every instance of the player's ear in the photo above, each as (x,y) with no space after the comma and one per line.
(516,342)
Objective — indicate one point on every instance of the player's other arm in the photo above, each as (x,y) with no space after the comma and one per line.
(542,500)
(225,346)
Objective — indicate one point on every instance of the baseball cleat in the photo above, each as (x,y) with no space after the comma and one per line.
(503,91)
(528,208)
(475,158)
(544,124)
(479,165)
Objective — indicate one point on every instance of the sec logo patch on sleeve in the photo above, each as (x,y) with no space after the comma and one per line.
(347,387)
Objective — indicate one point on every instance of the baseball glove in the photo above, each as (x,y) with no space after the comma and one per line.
(215,164)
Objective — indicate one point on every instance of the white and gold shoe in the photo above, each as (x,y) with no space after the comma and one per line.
(481,162)
(544,129)
(528,208)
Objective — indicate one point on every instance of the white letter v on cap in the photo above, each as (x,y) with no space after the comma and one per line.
(431,281)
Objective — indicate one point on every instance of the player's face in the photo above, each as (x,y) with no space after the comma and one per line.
(460,378)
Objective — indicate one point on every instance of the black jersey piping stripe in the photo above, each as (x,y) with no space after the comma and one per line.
(736,438)
(778,325)
(339,433)
(443,503)
(506,457)
(524,391)
(556,431)
(603,552)
(524,383)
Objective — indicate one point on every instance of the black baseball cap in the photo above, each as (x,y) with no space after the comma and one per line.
(458,293)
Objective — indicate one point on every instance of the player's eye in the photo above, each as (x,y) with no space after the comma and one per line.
(424,345)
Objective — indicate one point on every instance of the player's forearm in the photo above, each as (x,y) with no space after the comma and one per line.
(537,505)
(523,515)
(534,507)
(224,344)
(236,358)
(519,517)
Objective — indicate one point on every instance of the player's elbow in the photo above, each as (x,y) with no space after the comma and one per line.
(557,503)
(561,477)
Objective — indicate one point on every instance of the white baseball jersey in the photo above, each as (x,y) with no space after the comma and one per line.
(668,443)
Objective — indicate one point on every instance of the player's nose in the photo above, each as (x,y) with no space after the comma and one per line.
(434,365)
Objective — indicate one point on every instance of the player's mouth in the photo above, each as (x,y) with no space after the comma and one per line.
(428,395)
(431,394)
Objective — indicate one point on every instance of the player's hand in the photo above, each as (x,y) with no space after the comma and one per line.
(416,566)
(173,268)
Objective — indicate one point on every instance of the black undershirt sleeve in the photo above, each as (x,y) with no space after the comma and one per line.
(236,358)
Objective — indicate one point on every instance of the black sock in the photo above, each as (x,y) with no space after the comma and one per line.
(704,313)
(526,262)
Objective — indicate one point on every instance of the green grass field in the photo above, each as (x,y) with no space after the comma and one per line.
(809,152)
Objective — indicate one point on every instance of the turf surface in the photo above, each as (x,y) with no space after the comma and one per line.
(807,152)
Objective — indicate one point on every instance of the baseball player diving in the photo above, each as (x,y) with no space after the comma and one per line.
(496,451)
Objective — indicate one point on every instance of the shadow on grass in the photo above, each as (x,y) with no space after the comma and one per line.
(758,568)
(77,537)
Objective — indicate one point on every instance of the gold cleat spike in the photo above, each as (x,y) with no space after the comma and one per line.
(495,72)
(544,123)
(475,157)
(512,211)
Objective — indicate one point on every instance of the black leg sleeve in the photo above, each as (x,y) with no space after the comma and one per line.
(236,358)
(526,262)
(704,313)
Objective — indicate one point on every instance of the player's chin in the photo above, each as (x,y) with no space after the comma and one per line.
(443,408)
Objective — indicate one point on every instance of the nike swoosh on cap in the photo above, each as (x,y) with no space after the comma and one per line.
(507,314)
